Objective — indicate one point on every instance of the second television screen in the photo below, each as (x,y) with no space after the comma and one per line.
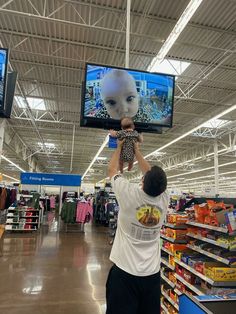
(113,93)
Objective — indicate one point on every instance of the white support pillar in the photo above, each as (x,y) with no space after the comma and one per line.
(72,149)
(216,165)
(127,33)
(2,131)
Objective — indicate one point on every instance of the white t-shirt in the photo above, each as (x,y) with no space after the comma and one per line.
(136,247)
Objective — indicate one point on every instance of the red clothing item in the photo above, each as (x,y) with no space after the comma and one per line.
(82,210)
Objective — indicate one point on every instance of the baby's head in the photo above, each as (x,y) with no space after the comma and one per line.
(119,94)
(127,123)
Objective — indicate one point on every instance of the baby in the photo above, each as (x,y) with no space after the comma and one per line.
(130,136)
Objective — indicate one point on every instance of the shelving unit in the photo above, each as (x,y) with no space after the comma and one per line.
(166,263)
(203,277)
(19,214)
(167,251)
(170,283)
(164,308)
(191,287)
(173,240)
(211,255)
(197,224)
(175,227)
(173,303)
(204,239)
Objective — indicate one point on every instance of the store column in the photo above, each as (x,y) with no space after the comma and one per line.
(2,131)
(216,166)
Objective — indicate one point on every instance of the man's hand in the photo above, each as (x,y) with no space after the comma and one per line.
(113,133)
(120,143)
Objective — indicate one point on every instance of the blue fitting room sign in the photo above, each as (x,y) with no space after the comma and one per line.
(50,179)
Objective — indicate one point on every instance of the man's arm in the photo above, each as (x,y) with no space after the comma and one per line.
(113,165)
(143,164)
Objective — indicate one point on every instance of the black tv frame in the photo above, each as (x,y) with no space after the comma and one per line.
(5,80)
(115,124)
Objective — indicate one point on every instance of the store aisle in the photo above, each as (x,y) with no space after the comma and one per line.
(54,272)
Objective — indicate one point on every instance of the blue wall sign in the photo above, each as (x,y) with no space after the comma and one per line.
(50,179)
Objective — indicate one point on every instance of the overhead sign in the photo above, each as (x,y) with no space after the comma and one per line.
(50,179)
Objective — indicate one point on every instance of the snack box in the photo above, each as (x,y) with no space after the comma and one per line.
(177,247)
(230,219)
(173,296)
(180,286)
(201,212)
(177,219)
(172,277)
(171,260)
(216,272)
(187,255)
(179,270)
(189,277)
(176,234)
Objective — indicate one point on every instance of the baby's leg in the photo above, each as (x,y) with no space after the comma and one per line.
(130,165)
(121,165)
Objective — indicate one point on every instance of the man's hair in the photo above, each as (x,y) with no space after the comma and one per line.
(155,181)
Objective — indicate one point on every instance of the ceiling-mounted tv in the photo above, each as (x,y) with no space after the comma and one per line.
(111,93)
(3,75)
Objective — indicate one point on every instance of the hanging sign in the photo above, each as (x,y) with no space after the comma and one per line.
(50,179)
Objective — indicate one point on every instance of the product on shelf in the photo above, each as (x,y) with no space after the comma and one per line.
(176,234)
(177,219)
(217,272)
(230,218)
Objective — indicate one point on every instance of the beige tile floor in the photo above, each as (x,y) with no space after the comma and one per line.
(54,272)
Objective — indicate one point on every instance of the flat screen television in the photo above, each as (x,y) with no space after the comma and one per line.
(111,93)
(3,75)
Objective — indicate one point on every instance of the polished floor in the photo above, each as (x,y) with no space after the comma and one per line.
(54,272)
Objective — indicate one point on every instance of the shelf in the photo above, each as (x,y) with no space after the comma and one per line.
(24,210)
(173,240)
(164,308)
(211,255)
(165,262)
(173,226)
(196,236)
(203,277)
(188,285)
(178,292)
(172,302)
(170,283)
(22,216)
(25,223)
(167,251)
(21,229)
(197,224)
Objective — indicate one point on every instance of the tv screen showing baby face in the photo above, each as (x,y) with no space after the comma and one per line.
(113,93)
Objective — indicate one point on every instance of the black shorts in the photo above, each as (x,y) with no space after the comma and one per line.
(128,294)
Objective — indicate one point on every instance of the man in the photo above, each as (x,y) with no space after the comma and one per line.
(133,284)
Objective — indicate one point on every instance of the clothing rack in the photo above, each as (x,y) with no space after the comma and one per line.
(75,213)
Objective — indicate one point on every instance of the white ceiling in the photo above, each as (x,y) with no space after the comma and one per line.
(51,40)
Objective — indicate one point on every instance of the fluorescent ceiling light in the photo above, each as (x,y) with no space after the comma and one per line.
(170,66)
(101,158)
(12,163)
(177,30)
(232,108)
(96,156)
(34,103)
(9,177)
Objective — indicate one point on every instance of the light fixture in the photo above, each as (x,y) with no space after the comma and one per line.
(9,177)
(12,163)
(177,30)
(96,156)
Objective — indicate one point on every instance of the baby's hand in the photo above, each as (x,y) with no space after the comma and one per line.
(113,133)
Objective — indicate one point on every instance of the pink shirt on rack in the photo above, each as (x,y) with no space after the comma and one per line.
(83,208)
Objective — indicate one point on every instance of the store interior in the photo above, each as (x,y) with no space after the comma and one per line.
(56,238)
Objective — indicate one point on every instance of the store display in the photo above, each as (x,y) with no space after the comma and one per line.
(206,264)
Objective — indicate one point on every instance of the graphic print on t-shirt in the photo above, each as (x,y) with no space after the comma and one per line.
(148,215)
